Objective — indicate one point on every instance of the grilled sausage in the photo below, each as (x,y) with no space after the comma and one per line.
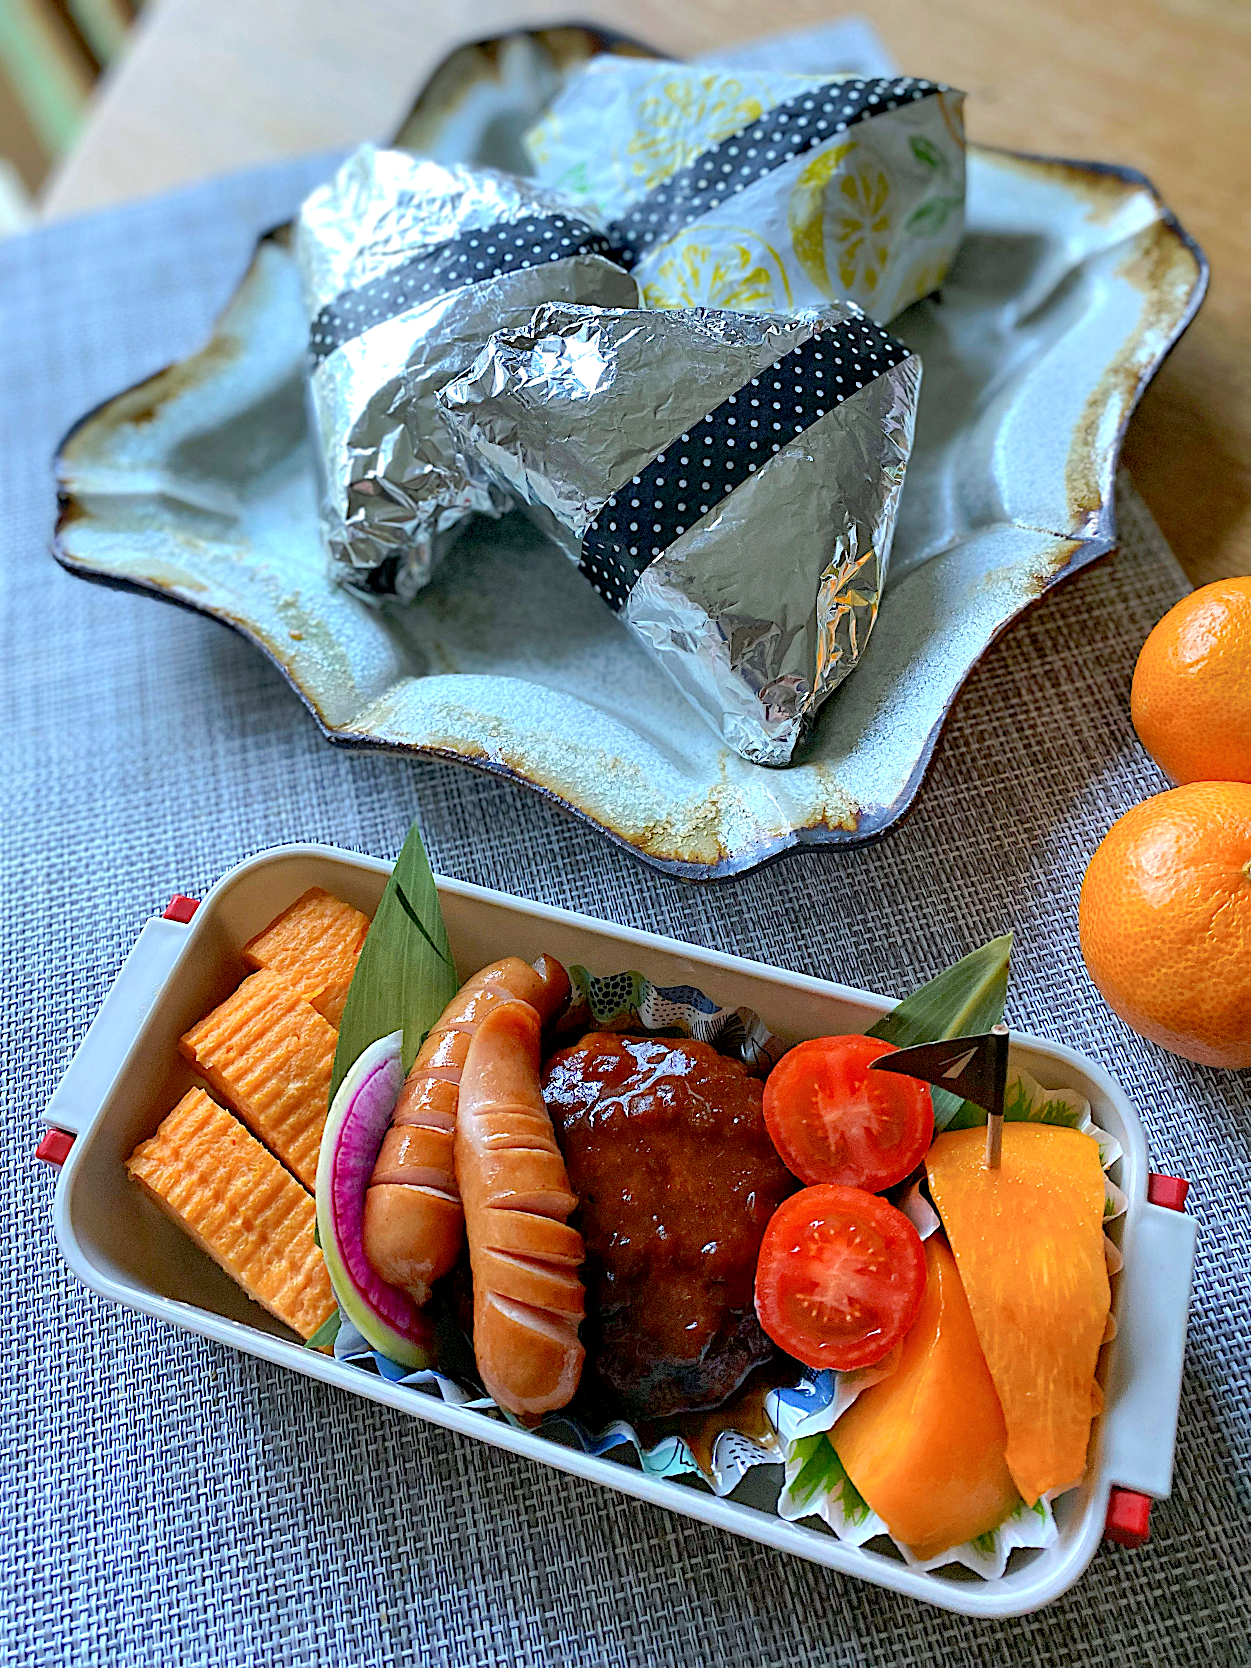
(527,1296)
(413,1218)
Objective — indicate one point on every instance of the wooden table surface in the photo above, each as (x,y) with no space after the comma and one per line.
(1159,85)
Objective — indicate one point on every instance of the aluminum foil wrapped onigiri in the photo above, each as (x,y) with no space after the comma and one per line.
(406,268)
(728,482)
(763,192)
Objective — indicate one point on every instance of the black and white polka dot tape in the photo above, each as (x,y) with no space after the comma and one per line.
(800,124)
(472,258)
(702,467)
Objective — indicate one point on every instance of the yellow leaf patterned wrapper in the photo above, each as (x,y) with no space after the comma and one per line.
(763,192)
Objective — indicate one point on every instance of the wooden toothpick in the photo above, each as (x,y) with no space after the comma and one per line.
(994,1114)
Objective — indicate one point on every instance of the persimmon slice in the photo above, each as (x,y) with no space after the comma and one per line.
(925,1447)
(1028,1242)
(840,1277)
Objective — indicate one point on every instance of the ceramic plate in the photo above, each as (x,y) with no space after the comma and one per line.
(198,487)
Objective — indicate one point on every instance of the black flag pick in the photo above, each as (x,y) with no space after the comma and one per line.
(976,1068)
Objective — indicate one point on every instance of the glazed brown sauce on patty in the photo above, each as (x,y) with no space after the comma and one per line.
(676,1177)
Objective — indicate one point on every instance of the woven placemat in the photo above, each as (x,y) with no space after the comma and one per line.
(170,1502)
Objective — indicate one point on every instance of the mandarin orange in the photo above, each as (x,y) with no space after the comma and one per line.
(1191,695)
(1165,921)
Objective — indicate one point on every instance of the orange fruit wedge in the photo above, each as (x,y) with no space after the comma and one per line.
(1165,921)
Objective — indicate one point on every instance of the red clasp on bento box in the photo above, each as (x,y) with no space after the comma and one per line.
(1128,1522)
(180,908)
(55,1146)
(1168,1191)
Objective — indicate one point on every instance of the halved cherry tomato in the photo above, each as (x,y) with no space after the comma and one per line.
(840,1277)
(834,1120)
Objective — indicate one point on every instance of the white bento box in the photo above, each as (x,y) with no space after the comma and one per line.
(127,1074)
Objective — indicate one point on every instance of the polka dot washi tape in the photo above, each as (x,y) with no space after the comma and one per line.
(701,467)
(798,124)
(473,257)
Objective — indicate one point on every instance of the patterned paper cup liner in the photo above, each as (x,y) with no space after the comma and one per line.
(814,1483)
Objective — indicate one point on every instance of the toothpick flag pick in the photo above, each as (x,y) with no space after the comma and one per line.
(974,1067)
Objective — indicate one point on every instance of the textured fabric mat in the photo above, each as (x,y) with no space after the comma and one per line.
(168,1501)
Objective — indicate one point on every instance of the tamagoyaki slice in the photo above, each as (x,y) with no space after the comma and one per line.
(268,1054)
(315,945)
(237,1203)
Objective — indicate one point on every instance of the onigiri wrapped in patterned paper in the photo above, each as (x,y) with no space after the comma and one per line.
(406,268)
(763,192)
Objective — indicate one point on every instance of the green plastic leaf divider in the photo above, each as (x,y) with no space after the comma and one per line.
(326,1333)
(821,1471)
(815,1471)
(406,975)
(964,1000)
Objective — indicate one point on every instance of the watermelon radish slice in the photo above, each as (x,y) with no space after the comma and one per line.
(386,1317)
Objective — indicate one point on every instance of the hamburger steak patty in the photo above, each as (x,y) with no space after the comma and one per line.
(676,1178)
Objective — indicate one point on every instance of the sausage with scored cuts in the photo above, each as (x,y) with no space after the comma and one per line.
(414,1222)
(528,1297)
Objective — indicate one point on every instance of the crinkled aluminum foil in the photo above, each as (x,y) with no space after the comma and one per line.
(396,495)
(763,191)
(758,605)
